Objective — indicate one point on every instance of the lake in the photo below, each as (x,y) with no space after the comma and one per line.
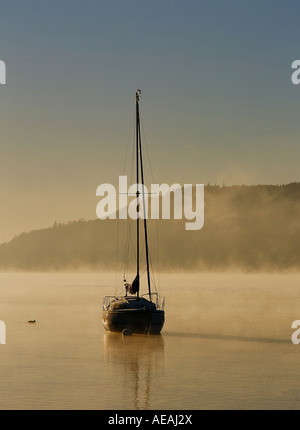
(226,344)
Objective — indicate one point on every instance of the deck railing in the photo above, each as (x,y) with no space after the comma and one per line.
(107,301)
(155,298)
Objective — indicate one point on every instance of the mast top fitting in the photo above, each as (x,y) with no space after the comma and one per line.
(138,94)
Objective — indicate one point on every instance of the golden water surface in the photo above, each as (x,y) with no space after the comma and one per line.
(226,344)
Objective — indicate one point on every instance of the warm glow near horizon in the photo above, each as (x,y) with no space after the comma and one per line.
(218,105)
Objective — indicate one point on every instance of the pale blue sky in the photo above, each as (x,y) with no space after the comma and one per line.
(217,106)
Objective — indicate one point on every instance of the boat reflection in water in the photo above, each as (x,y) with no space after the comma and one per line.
(135,360)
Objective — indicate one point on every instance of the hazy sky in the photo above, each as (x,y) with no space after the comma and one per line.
(218,104)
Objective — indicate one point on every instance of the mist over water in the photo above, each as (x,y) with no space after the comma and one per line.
(246,228)
(226,343)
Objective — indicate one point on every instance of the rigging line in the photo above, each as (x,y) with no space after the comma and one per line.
(117,255)
(132,165)
(129,239)
(157,252)
(147,151)
(143,273)
(124,265)
(145,218)
(128,143)
(125,259)
(127,246)
(118,222)
(153,181)
(130,242)
(152,274)
(126,252)
(153,280)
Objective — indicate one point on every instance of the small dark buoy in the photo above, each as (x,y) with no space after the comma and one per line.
(127,332)
(32,321)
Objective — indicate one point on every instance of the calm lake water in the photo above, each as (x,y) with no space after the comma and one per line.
(226,344)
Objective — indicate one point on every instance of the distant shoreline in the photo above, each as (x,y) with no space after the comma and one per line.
(246,229)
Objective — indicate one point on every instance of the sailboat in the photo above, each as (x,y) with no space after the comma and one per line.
(134,313)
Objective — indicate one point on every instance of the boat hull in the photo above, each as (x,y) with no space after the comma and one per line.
(138,320)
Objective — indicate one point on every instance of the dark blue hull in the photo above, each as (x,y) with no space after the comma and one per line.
(138,320)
